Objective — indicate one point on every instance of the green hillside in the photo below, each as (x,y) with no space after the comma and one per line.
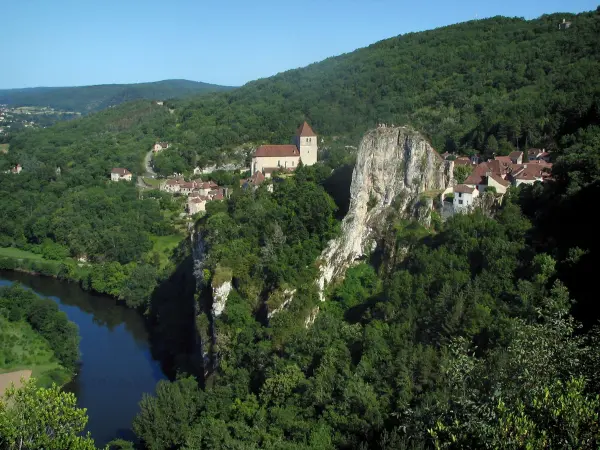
(524,82)
(86,99)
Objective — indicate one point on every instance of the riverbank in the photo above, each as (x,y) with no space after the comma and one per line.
(132,283)
(118,363)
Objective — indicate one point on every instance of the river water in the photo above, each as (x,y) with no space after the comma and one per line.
(117,365)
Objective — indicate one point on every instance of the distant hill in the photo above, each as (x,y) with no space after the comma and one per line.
(86,99)
(496,84)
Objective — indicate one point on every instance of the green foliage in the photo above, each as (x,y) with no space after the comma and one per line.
(488,85)
(461,173)
(165,420)
(44,317)
(39,418)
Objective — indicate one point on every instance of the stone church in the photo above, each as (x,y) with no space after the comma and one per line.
(269,158)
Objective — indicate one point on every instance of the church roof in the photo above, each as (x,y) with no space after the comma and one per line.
(277,150)
(305,130)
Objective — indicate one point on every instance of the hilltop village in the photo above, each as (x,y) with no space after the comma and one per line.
(266,161)
(494,175)
(498,174)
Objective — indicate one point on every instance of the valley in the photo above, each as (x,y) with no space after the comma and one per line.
(387,249)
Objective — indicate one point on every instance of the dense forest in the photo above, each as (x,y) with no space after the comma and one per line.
(489,85)
(483,335)
(472,340)
(63,206)
(87,99)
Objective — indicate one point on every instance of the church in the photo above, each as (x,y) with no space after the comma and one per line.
(269,158)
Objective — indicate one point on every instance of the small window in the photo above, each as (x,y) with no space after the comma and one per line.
(460,202)
(460,194)
(292,163)
(279,163)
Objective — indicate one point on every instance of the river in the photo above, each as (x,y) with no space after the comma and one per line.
(117,366)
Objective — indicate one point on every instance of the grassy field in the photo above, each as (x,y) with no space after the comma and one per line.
(152,182)
(12,252)
(164,246)
(3,148)
(23,348)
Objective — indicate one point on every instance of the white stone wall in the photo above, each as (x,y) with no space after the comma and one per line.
(260,162)
(309,150)
(500,189)
(464,200)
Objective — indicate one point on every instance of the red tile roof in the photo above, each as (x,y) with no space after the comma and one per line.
(305,130)
(478,174)
(257,178)
(277,151)
(463,188)
(515,155)
(501,181)
(463,161)
(122,172)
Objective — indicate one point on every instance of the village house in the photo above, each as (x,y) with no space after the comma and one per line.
(196,204)
(463,161)
(120,174)
(535,154)
(16,169)
(489,174)
(464,196)
(516,157)
(160,146)
(254,181)
(172,185)
(530,172)
(564,25)
(270,158)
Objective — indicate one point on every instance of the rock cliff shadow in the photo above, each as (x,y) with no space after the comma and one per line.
(338,186)
(172,319)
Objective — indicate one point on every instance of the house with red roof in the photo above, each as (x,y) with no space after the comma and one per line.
(120,174)
(270,158)
(530,172)
(490,174)
(160,146)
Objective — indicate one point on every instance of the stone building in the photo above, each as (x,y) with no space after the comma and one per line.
(269,158)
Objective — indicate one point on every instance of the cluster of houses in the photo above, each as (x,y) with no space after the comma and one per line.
(198,192)
(267,159)
(15,170)
(500,173)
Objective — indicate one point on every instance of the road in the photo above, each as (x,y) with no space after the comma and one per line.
(148,165)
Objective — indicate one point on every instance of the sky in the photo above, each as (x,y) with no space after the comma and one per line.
(229,42)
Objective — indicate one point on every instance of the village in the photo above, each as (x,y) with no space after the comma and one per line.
(498,174)
(267,160)
(495,175)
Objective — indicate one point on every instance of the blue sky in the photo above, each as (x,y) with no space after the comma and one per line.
(81,42)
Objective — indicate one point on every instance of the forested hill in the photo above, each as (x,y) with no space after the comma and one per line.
(87,99)
(524,82)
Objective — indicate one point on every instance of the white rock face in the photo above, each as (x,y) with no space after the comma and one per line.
(394,165)
(288,296)
(220,294)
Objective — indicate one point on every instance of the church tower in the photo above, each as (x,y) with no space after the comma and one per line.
(306,141)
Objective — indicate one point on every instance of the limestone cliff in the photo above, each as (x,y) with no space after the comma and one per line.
(396,166)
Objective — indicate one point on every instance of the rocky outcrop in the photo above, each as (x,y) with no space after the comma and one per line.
(396,169)
(220,295)
(279,301)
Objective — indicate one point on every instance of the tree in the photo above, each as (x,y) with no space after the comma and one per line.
(461,172)
(165,421)
(38,418)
